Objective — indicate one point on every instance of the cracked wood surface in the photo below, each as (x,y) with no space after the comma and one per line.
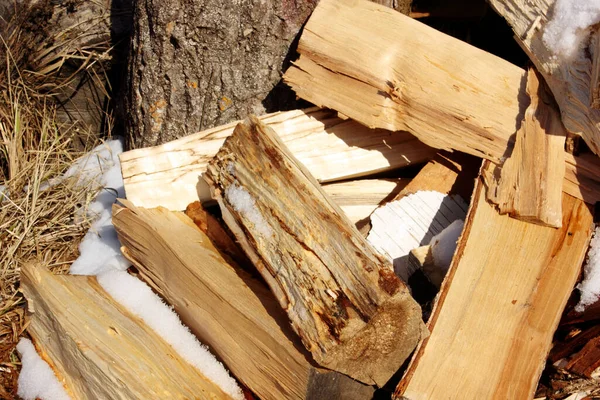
(100,350)
(499,305)
(351,312)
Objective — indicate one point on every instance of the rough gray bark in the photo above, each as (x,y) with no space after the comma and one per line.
(196,64)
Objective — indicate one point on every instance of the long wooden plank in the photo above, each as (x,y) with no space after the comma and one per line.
(492,326)
(330,147)
(573,81)
(224,306)
(389,71)
(529,185)
(350,310)
(99,349)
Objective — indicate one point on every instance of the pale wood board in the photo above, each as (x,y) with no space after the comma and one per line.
(574,81)
(331,148)
(389,71)
(234,314)
(528,184)
(492,325)
(98,349)
(350,310)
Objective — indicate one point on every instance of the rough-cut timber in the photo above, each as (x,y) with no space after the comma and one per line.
(528,185)
(573,82)
(350,310)
(331,148)
(389,71)
(98,349)
(492,326)
(234,314)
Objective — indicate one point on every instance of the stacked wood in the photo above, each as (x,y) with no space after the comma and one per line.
(414,78)
(530,183)
(503,296)
(351,312)
(98,349)
(227,309)
(333,149)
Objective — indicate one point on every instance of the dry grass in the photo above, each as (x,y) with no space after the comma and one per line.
(37,222)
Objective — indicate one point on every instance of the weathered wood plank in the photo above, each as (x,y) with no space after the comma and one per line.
(508,272)
(98,349)
(528,185)
(389,71)
(224,306)
(351,312)
(331,148)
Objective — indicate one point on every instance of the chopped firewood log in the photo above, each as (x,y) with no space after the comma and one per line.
(530,183)
(436,197)
(574,81)
(579,352)
(586,362)
(98,349)
(499,305)
(421,258)
(350,310)
(228,310)
(331,148)
(389,71)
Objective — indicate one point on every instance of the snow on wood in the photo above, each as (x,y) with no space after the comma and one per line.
(100,350)
(499,305)
(559,38)
(36,378)
(589,288)
(331,148)
(341,298)
(225,307)
(389,71)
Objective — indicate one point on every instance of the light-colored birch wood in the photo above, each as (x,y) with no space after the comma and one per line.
(573,81)
(232,313)
(529,185)
(389,71)
(429,203)
(98,349)
(492,325)
(350,310)
(331,148)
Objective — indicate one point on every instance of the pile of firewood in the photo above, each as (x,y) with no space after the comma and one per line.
(303,259)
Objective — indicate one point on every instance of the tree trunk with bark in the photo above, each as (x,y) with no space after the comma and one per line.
(196,64)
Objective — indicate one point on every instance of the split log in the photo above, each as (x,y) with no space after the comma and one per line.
(436,197)
(98,349)
(530,183)
(234,314)
(573,82)
(331,148)
(389,71)
(487,283)
(351,312)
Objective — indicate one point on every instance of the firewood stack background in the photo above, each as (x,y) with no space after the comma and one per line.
(398,203)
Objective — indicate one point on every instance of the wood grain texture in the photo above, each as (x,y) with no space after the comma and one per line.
(351,312)
(224,306)
(331,148)
(389,71)
(499,305)
(572,81)
(100,350)
(528,185)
